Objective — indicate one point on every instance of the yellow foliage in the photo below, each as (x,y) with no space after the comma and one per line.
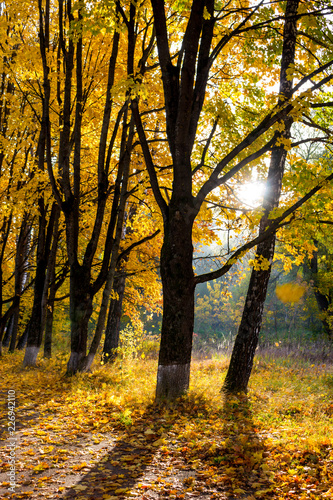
(290,292)
(260,263)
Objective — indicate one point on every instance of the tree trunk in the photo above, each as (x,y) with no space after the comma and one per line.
(112,330)
(51,285)
(80,311)
(24,337)
(4,233)
(20,259)
(35,330)
(178,306)
(323,301)
(49,323)
(8,332)
(43,257)
(49,315)
(125,161)
(15,322)
(111,342)
(246,342)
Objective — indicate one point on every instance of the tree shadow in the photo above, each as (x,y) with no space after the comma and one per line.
(234,466)
(134,450)
(125,464)
(233,458)
(21,419)
(123,461)
(241,456)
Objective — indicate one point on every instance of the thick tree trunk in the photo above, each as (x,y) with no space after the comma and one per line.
(111,342)
(184,90)
(246,342)
(178,306)
(80,313)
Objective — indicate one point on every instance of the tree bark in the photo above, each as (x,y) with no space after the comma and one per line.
(45,235)
(35,331)
(184,89)
(8,331)
(185,77)
(20,260)
(50,289)
(178,306)
(126,156)
(24,337)
(80,311)
(246,341)
(112,330)
(82,287)
(4,233)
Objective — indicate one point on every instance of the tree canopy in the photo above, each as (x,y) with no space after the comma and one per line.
(128,132)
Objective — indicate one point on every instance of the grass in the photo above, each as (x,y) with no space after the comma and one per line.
(99,435)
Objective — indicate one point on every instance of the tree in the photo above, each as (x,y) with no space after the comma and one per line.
(17,132)
(70,69)
(203,43)
(246,342)
(93,217)
(112,330)
(307,242)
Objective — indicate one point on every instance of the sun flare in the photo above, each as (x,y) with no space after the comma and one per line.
(251,194)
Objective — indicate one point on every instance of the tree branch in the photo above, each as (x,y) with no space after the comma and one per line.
(209,140)
(148,159)
(272,227)
(128,250)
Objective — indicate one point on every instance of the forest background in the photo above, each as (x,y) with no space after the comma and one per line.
(122,135)
(166,190)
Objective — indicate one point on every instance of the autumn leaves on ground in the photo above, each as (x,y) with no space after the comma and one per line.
(100,436)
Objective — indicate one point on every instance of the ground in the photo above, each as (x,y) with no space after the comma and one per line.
(100,436)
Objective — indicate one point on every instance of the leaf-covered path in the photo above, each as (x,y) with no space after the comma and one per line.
(99,436)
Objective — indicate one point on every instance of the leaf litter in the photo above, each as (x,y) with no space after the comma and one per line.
(100,436)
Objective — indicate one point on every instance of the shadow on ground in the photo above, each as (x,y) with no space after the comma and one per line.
(126,464)
(242,458)
(234,468)
(148,460)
